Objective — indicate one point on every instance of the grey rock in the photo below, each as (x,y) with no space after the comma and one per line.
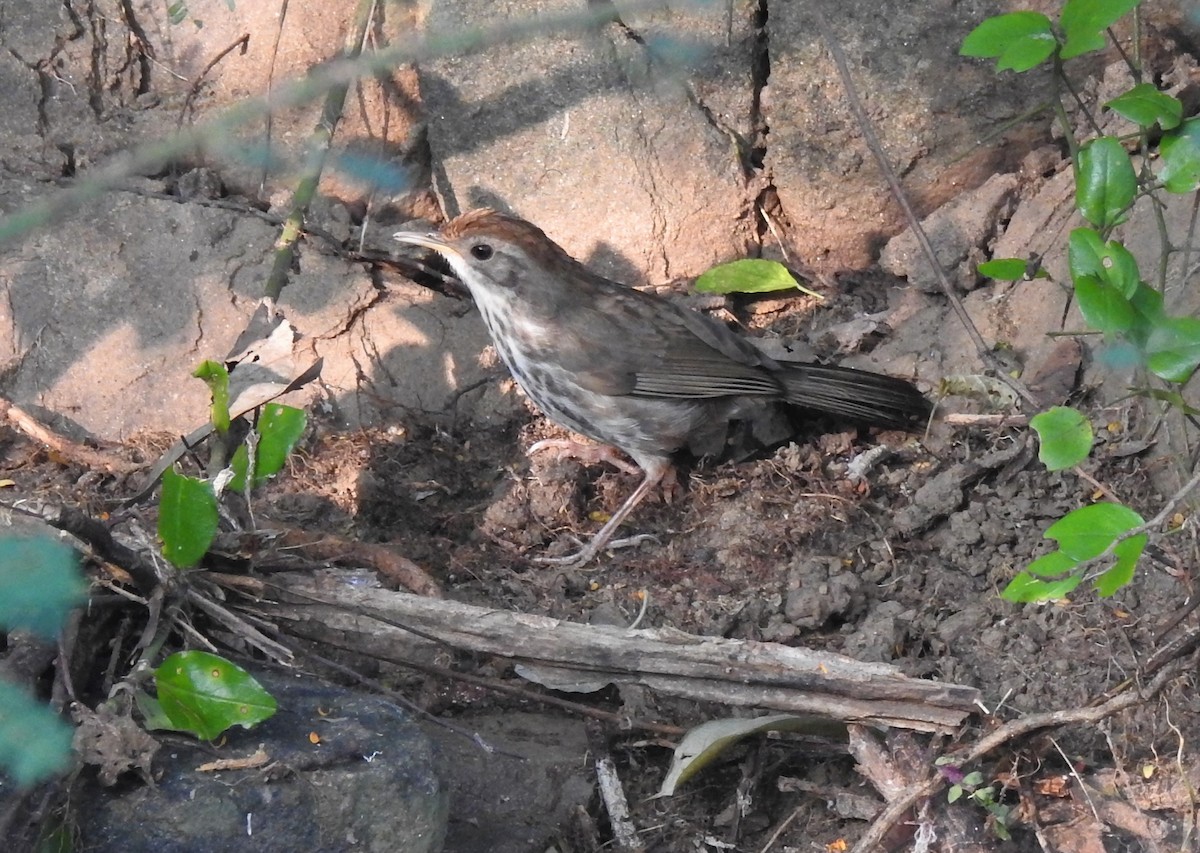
(369,783)
(605,143)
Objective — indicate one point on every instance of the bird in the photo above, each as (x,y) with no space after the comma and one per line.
(633,370)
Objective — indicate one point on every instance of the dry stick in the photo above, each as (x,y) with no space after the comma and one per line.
(624,721)
(318,148)
(709,669)
(72,450)
(896,809)
(981,348)
(615,803)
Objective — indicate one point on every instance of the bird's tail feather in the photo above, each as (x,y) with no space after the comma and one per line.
(858,395)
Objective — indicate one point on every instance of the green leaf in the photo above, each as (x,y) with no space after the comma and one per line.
(750,275)
(279,428)
(1173,348)
(1081,534)
(1111,262)
(187,518)
(1179,152)
(1103,307)
(154,718)
(40,583)
(205,694)
(1025,588)
(1010,269)
(1127,553)
(35,744)
(1148,303)
(1105,183)
(1018,40)
(1084,23)
(1085,532)
(1065,437)
(1144,105)
(216,377)
(1054,565)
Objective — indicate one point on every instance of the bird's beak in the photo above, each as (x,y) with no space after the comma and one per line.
(432,241)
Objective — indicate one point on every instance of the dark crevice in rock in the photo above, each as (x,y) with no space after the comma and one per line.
(69,164)
(99,28)
(138,50)
(767,202)
(75,19)
(760,73)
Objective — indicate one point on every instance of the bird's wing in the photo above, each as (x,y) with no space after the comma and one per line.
(659,349)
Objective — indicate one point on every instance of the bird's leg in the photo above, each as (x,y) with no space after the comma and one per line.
(589,454)
(654,474)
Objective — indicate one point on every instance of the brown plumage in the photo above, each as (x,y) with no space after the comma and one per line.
(630,369)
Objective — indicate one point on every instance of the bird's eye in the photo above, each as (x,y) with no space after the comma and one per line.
(481,251)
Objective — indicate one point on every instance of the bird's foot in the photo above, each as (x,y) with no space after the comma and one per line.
(589,454)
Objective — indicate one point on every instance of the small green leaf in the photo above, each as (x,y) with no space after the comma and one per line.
(1105,182)
(1103,307)
(1081,534)
(1127,554)
(1065,437)
(187,518)
(1111,262)
(1084,23)
(750,275)
(280,428)
(1026,588)
(1052,566)
(1173,348)
(1085,532)
(35,744)
(216,377)
(205,694)
(1180,155)
(40,583)
(1148,303)
(955,794)
(1144,105)
(177,11)
(154,718)
(1018,40)
(1010,269)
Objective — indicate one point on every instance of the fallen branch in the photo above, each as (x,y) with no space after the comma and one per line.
(334,607)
